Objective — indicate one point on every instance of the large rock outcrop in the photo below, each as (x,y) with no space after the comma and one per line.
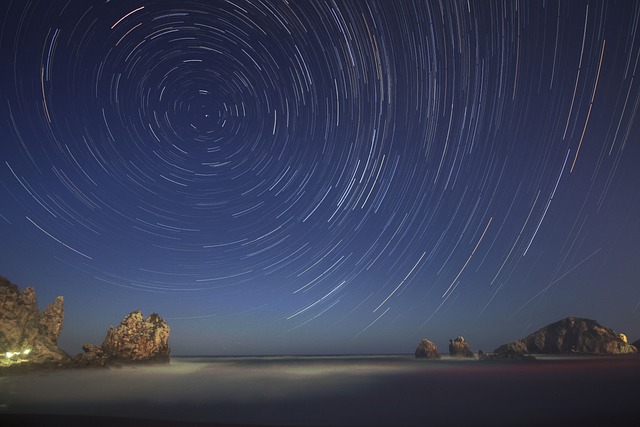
(28,336)
(458,347)
(136,339)
(573,335)
(427,350)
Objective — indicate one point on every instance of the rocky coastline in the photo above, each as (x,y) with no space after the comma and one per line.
(573,336)
(29,337)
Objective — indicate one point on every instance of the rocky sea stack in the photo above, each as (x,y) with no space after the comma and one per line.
(28,336)
(427,350)
(459,347)
(573,335)
(137,339)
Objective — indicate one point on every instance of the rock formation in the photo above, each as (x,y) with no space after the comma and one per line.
(139,339)
(514,350)
(92,356)
(570,335)
(459,348)
(136,339)
(26,335)
(427,350)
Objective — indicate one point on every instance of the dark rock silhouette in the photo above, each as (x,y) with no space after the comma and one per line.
(458,347)
(427,350)
(27,336)
(92,356)
(512,350)
(570,335)
(137,339)
(515,350)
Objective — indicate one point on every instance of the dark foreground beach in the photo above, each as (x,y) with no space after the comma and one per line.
(330,391)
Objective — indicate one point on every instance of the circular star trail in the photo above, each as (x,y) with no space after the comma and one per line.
(367,170)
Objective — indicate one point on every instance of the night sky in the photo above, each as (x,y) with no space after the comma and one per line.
(297,177)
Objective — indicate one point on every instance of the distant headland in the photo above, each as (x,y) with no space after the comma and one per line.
(572,336)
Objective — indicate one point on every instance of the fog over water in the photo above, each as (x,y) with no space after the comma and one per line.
(355,390)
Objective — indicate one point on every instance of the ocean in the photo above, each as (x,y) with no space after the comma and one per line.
(337,391)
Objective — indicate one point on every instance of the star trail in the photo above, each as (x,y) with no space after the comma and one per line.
(323,176)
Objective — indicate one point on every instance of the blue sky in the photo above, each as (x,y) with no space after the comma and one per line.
(322,177)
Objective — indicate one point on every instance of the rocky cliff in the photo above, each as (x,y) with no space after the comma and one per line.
(571,335)
(136,339)
(26,334)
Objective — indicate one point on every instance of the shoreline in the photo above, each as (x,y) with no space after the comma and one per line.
(343,391)
(28,368)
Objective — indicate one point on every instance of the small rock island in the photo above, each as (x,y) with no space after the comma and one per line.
(459,347)
(136,339)
(427,350)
